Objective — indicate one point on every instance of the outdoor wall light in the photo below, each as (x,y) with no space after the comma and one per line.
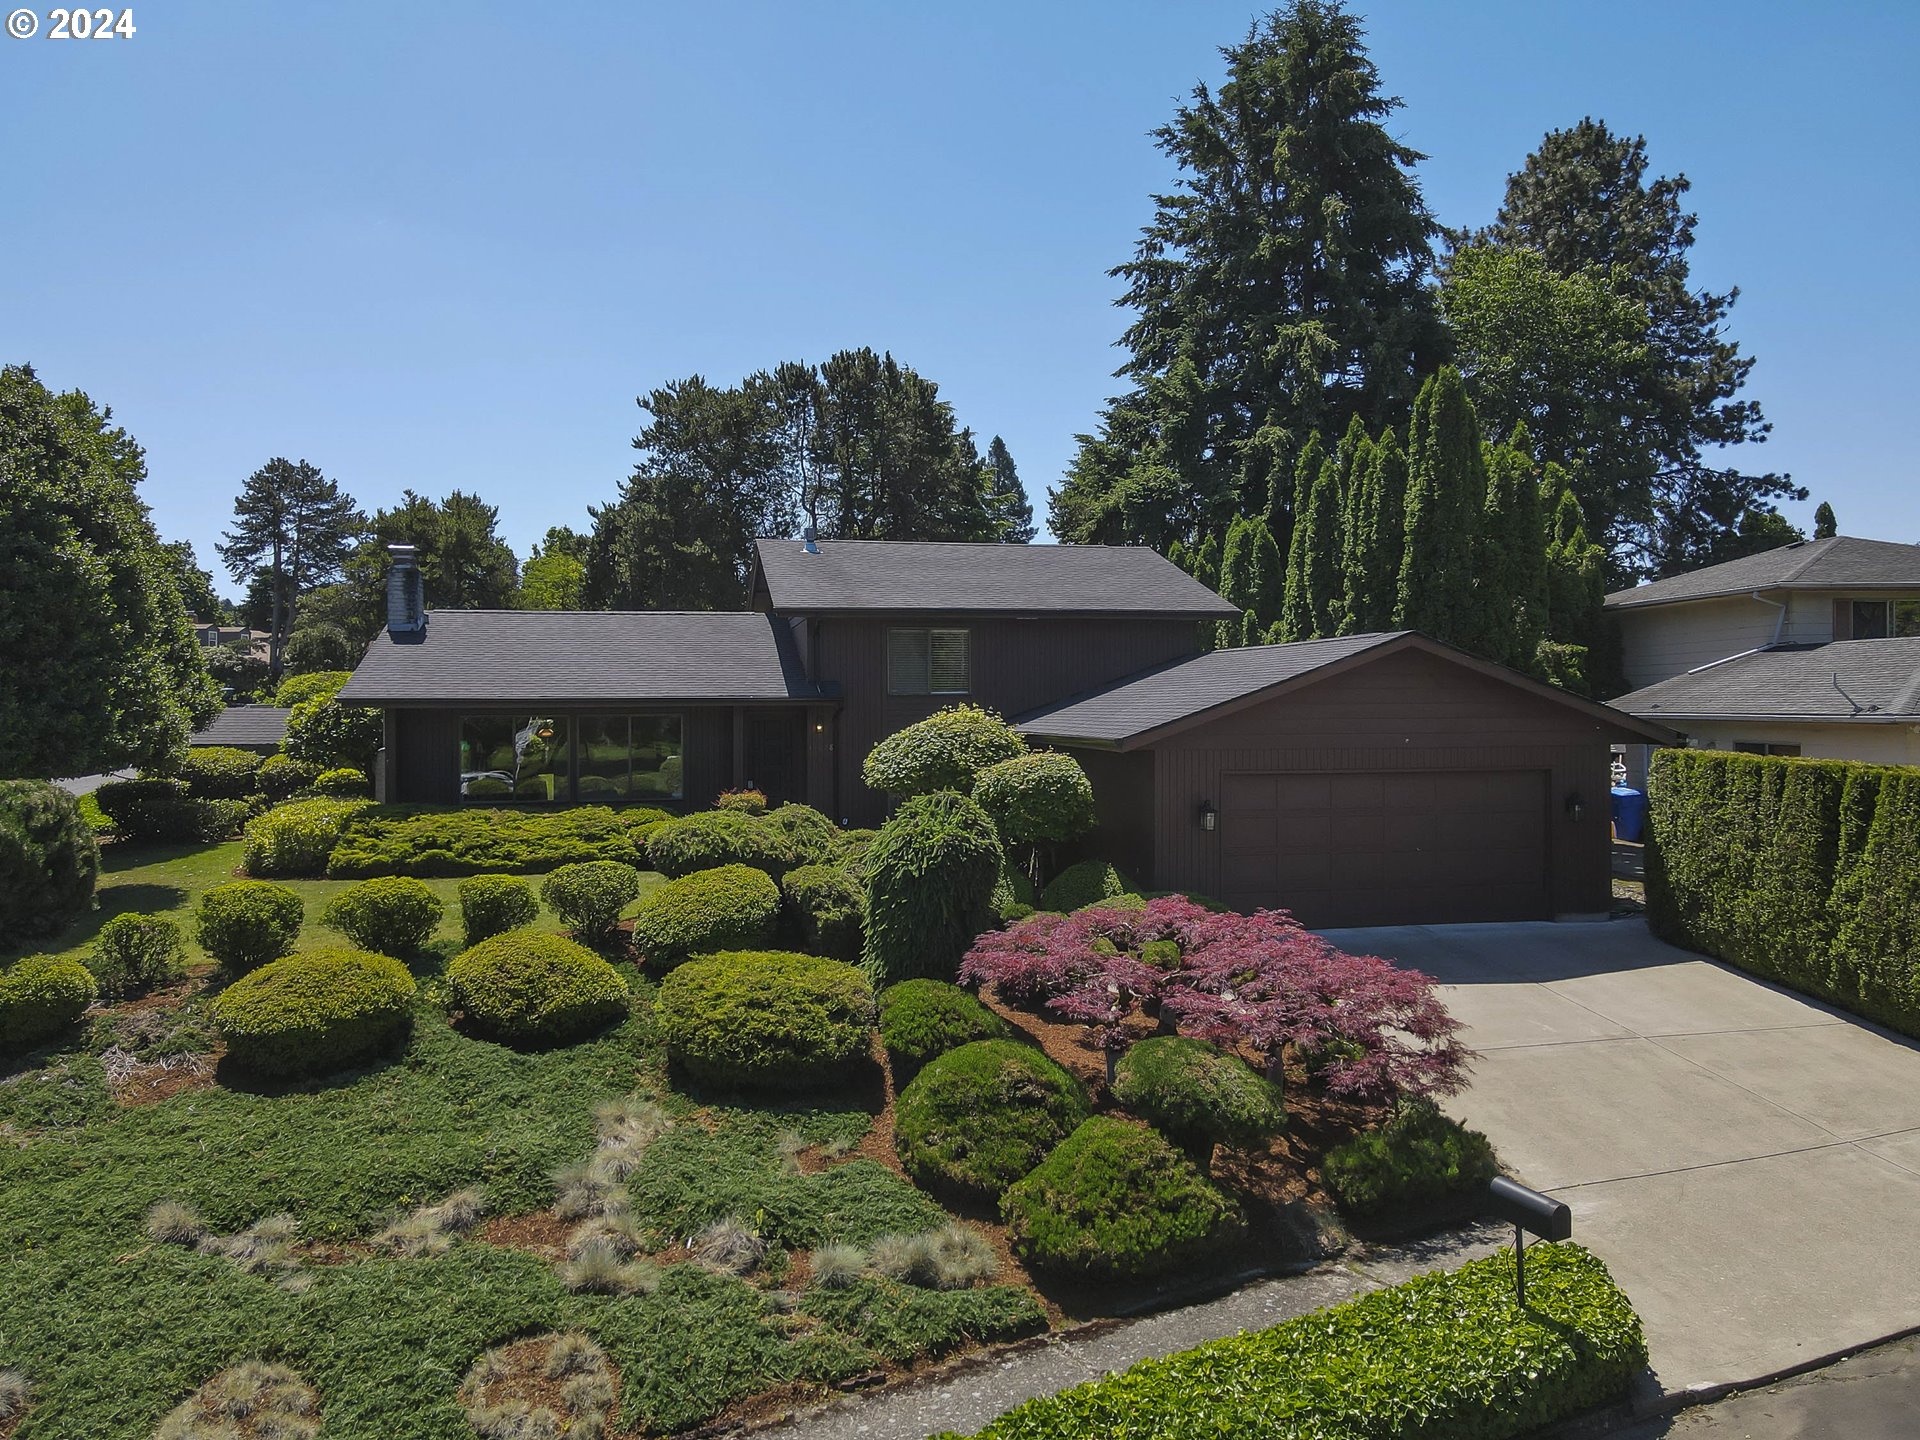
(1529,1212)
(1576,807)
(1209,817)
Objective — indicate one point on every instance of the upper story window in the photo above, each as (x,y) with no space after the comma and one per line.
(1875,619)
(929,662)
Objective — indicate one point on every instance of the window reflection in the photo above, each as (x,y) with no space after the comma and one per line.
(591,759)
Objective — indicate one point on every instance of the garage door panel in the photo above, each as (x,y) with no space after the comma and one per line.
(1244,794)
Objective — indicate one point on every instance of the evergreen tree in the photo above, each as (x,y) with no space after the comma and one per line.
(1446,493)
(1206,561)
(1279,289)
(1576,653)
(196,585)
(1315,594)
(296,526)
(1376,538)
(1353,445)
(1825,526)
(1510,587)
(1251,575)
(1009,512)
(464,564)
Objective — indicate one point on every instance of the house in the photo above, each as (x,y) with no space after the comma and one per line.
(1810,649)
(235,637)
(259,728)
(1374,779)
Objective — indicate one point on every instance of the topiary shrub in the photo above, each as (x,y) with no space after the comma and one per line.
(279,776)
(493,904)
(245,923)
(978,1118)
(825,907)
(386,841)
(590,896)
(920,1019)
(298,838)
(729,907)
(715,838)
(318,684)
(812,839)
(854,845)
(313,1012)
(324,732)
(1086,883)
(342,781)
(133,953)
(746,802)
(1040,798)
(40,996)
(1418,1163)
(1013,897)
(395,915)
(530,989)
(1115,1201)
(946,751)
(218,772)
(754,1019)
(49,860)
(160,808)
(930,878)
(1198,1095)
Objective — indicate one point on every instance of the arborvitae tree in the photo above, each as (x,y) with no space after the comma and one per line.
(1352,445)
(1446,493)
(1251,573)
(1316,593)
(1009,512)
(1825,526)
(1206,561)
(1576,651)
(1359,509)
(1510,586)
(1376,538)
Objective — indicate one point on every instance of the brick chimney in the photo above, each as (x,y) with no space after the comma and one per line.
(406,594)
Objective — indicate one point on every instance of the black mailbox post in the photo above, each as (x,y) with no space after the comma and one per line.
(1529,1212)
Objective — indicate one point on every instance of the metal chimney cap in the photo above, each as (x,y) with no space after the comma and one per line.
(401,552)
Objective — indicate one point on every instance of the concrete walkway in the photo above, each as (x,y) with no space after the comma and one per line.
(1746,1161)
(1871,1396)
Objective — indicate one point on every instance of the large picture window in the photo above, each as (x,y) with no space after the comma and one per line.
(929,662)
(557,759)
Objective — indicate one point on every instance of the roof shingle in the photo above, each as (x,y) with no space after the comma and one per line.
(1847,680)
(1841,562)
(244,725)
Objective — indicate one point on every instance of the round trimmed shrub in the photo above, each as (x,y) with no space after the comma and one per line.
(746,802)
(1419,1162)
(1039,798)
(1115,1201)
(317,684)
(40,996)
(1087,883)
(1197,1095)
(920,1019)
(946,751)
(590,895)
(324,732)
(394,915)
(714,838)
(133,953)
(49,860)
(825,907)
(280,776)
(343,781)
(296,839)
(218,772)
(757,1019)
(730,907)
(812,839)
(245,923)
(313,1012)
(978,1118)
(494,904)
(529,989)
(930,879)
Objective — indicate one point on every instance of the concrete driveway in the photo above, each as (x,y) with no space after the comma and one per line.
(1746,1161)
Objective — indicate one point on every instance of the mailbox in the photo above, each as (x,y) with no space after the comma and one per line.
(1529,1210)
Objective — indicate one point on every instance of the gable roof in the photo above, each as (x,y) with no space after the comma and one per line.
(244,725)
(1162,701)
(957,577)
(1849,680)
(590,656)
(1841,562)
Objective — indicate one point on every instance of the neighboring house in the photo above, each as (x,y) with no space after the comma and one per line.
(1809,649)
(245,727)
(234,637)
(1376,779)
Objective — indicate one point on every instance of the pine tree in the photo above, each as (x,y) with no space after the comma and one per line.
(1510,588)
(1315,594)
(1446,493)
(1008,509)
(1378,538)
(1825,526)
(294,525)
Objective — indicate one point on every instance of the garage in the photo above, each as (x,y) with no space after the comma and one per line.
(1364,780)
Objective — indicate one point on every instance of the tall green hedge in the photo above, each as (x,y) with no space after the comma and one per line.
(1802,871)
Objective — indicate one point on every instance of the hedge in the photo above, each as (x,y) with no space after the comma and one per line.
(133,953)
(218,772)
(493,904)
(946,751)
(1083,884)
(39,997)
(730,907)
(978,1118)
(49,860)
(280,776)
(162,808)
(313,1012)
(589,896)
(483,842)
(1801,871)
(1443,1354)
(1198,1095)
(531,989)
(1420,1162)
(826,909)
(296,689)
(1036,799)
(760,1020)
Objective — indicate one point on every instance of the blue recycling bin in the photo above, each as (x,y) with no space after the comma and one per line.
(1629,813)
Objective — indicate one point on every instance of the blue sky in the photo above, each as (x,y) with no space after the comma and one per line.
(447,244)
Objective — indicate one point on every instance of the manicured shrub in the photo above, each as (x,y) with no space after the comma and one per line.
(218,772)
(729,907)
(493,904)
(1013,896)
(930,877)
(342,781)
(756,1019)
(920,1019)
(160,808)
(714,838)
(317,684)
(133,953)
(295,840)
(485,842)
(1198,1096)
(394,915)
(49,860)
(812,839)
(91,812)
(1115,1201)
(219,819)
(279,776)
(1039,798)
(946,751)
(313,1012)
(530,989)
(590,896)
(978,1118)
(1438,1355)
(40,996)
(245,923)
(825,908)
(1082,884)
(1419,1162)
(854,845)
(747,802)
(324,732)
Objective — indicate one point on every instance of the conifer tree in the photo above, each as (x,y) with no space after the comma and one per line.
(1315,594)
(1510,587)
(1206,561)
(1575,653)
(1251,575)
(1377,543)
(1825,526)
(1446,493)
(1352,445)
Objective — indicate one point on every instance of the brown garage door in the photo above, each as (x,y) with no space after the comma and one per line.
(1389,848)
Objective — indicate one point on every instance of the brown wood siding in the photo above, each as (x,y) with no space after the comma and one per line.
(1407,712)
(1017,665)
(775,752)
(1123,806)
